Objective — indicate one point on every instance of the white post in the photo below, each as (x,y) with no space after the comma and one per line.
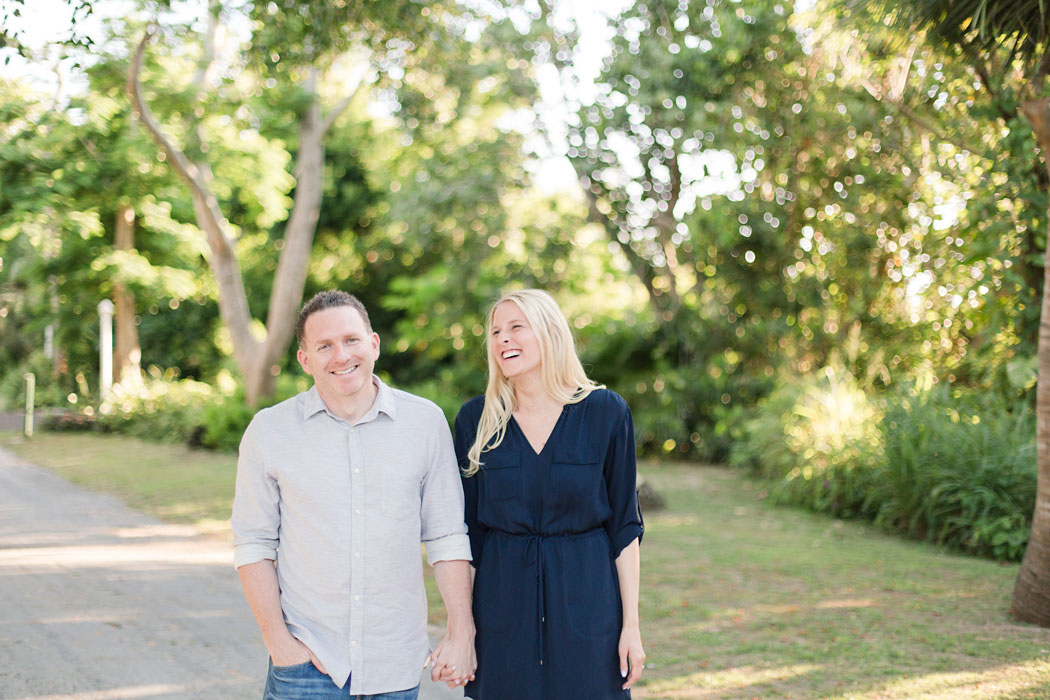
(30,400)
(105,349)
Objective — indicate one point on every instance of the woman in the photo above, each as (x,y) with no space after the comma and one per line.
(548,469)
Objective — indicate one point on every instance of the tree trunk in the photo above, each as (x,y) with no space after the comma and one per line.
(256,357)
(126,353)
(1031,596)
(293,265)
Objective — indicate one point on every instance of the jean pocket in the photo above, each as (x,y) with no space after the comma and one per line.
(294,668)
(298,682)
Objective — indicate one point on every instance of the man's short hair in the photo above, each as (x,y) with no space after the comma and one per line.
(328,299)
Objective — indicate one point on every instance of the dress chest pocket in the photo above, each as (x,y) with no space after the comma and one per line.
(501,475)
(577,470)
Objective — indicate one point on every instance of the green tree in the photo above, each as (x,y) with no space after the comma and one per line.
(757,193)
(71,172)
(450,219)
(1007,44)
(11,12)
(300,57)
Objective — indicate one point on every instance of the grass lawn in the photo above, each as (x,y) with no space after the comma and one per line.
(172,482)
(740,599)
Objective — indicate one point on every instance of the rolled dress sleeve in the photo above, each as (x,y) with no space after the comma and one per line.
(256,511)
(443,531)
(464,434)
(621,473)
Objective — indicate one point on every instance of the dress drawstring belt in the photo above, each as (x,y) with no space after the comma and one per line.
(533,554)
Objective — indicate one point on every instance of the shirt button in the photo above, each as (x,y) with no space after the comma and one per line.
(353,643)
(357,471)
(357,597)
(357,511)
(357,554)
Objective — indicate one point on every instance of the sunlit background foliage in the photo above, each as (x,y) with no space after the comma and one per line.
(777,234)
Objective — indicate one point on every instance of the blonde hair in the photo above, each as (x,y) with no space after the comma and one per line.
(561,372)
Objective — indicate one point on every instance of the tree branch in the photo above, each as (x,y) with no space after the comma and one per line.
(200,82)
(641,267)
(981,67)
(233,302)
(293,264)
(346,101)
(178,160)
(910,114)
(664,223)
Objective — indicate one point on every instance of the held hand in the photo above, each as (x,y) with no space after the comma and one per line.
(454,661)
(632,656)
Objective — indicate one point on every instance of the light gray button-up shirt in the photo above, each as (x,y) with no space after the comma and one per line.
(342,509)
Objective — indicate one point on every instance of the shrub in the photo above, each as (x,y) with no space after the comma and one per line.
(166,409)
(50,392)
(952,467)
(688,413)
(817,437)
(161,409)
(223,421)
(960,470)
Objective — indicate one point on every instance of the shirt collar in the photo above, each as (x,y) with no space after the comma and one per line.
(384,403)
(312,402)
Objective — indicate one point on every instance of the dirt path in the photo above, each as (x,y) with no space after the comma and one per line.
(98,602)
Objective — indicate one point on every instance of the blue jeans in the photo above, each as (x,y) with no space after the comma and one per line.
(305,682)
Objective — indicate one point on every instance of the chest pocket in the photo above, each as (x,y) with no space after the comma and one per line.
(501,475)
(401,494)
(577,471)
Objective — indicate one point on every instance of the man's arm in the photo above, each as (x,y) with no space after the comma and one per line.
(259,581)
(454,658)
(448,549)
(255,522)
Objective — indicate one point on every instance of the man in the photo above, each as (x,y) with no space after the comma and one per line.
(336,487)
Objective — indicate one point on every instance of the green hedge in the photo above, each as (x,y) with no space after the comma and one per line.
(948,466)
(165,409)
(161,409)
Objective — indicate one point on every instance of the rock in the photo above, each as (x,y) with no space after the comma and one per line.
(648,498)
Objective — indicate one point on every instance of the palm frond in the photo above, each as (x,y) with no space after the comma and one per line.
(1019,27)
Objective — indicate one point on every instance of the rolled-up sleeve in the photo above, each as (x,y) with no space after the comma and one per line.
(444,533)
(256,504)
(625,525)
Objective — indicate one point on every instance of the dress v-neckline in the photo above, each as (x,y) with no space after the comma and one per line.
(546,442)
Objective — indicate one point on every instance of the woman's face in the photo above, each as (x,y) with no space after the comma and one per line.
(512,342)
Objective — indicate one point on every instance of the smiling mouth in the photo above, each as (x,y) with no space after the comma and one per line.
(510,354)
(346,371)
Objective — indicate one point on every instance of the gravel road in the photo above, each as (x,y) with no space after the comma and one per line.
(99,602)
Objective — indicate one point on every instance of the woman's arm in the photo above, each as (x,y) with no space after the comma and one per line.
(632,656)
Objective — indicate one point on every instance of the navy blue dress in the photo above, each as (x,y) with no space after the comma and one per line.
(545,530)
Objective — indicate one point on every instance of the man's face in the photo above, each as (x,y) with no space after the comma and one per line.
(339,352)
